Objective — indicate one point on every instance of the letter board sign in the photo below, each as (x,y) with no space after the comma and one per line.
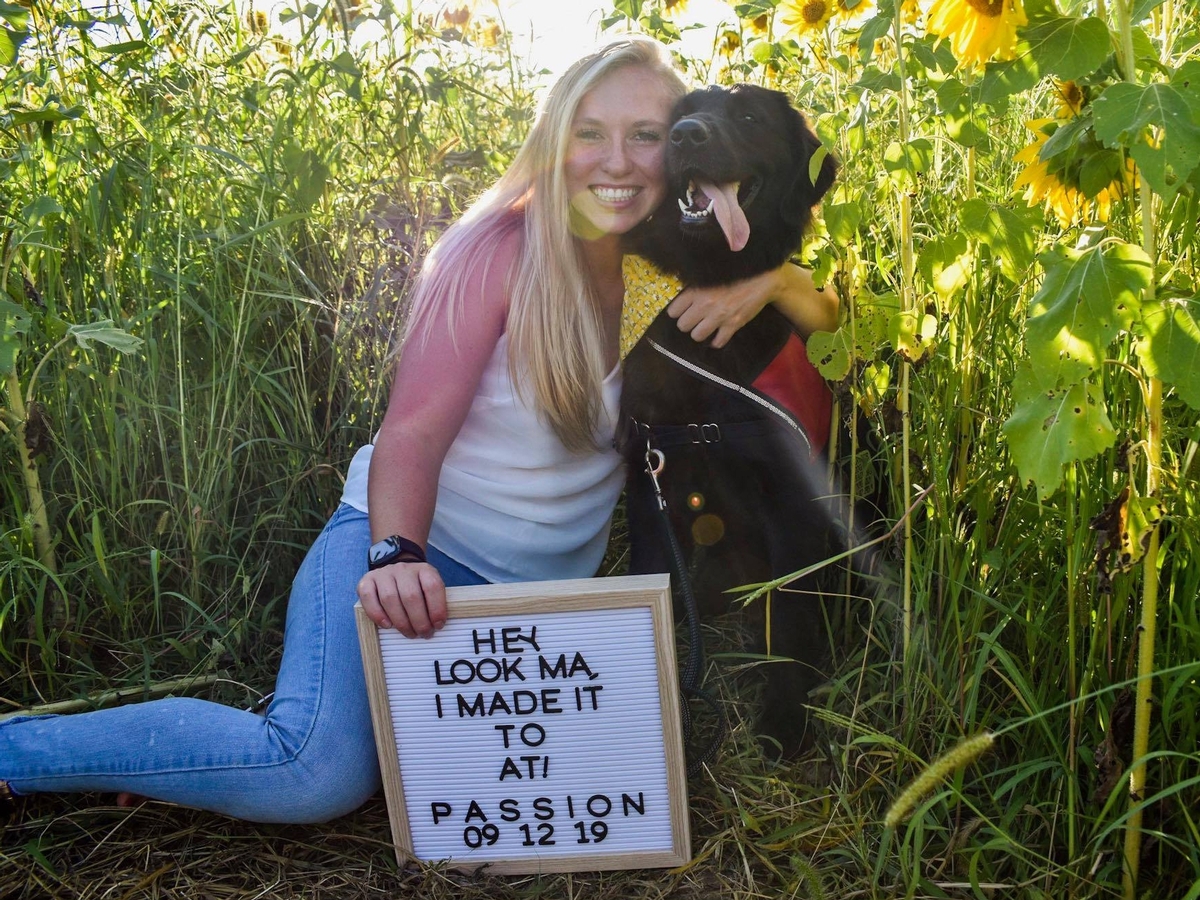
(538,731)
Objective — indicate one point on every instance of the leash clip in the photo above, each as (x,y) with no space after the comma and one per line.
(655,463)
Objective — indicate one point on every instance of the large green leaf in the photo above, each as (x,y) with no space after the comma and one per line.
(1067,46)
(963,116)
(1158,125)
(1007,232)
(1169,345)
(105,332)
(1051,428)
(1003,79)
(1086,298)
(947,264)
(829,351)
(905,161)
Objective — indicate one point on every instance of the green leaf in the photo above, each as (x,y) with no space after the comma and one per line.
(122,47)
(9,41)
(1067,46)
(905,161)
(872,30)
(947,264)
(1134,116)
(830,352)
(912,334)
(1008,233)
(962,114)
(630,9)
(1186,80)
(1051,428)
(1003,79)
(106,333)
(40,208)
(15,15)
(841,220)
(1143,9)
(1085,299)
(752,9)
(14,322)
(1169,345)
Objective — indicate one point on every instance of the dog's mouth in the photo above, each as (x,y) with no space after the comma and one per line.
(704,200)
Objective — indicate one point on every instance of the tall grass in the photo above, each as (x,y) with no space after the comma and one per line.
(253,207)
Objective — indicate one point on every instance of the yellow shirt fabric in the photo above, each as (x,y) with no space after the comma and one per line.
(648,290)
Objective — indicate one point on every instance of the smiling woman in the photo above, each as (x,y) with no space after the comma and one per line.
(614,164)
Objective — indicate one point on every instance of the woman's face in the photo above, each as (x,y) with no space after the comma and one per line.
(614,165)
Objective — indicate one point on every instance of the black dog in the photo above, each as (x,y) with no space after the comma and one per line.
(740,430)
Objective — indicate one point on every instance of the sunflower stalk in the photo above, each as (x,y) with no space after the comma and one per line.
(1153,442)
(907,269)
(33,483)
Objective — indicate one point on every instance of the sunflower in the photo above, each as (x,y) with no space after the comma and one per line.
(978,30)
(728,43)
(844,9)
(910,11)
(1068,203)
(1070,98)
(759,24)
(806,16)
(672,7)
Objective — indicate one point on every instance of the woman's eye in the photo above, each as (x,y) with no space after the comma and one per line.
(588,134)
(647,137)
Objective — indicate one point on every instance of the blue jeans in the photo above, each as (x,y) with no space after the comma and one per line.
(309,759)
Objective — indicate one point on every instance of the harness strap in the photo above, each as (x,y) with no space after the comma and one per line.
(692,676)
(754,396)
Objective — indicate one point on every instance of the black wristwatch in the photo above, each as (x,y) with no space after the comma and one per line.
(393,549)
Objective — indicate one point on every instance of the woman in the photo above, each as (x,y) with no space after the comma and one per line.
(493,463)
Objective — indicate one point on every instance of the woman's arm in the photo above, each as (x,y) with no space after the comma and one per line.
(721,311)
(435,383)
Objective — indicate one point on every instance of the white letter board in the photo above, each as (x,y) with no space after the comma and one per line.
(538,731)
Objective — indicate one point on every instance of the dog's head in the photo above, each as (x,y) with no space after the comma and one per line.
(739,191)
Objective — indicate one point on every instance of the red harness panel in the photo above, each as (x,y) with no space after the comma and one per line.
(795,384)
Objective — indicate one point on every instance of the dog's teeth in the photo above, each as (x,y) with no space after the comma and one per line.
(690,189)
(683,207)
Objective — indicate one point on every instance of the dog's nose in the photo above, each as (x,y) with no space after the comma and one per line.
(689,132)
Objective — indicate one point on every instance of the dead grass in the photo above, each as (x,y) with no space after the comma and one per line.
(758,830)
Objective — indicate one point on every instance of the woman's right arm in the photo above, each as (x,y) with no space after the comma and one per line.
(435,383)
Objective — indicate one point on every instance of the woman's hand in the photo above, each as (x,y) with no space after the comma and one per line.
(721,311)
(407,596)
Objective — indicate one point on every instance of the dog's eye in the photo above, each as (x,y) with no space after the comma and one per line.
(748,117)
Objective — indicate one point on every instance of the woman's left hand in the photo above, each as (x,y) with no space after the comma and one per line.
(719,312)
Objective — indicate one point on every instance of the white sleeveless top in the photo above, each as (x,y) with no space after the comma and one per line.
(513,503)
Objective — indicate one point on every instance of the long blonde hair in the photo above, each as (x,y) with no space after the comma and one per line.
(556,338)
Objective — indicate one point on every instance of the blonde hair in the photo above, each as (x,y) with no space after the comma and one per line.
(556,338)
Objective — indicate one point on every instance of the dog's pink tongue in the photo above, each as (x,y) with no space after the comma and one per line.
(729,214)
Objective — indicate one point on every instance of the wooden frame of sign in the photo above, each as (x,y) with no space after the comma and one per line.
(538,731)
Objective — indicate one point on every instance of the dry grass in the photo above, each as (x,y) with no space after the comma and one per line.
(758,829)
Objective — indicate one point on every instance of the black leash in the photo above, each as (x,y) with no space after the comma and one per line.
(691,679)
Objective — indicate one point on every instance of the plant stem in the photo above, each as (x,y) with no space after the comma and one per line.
(1146,627)
(33,483)
(906,304)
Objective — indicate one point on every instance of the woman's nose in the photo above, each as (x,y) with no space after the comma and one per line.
(617,160)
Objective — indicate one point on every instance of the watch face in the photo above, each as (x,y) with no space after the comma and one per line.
(381,550)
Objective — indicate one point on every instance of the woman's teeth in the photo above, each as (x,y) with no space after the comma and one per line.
(615,195)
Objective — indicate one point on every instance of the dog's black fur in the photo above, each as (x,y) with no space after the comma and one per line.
(760,481)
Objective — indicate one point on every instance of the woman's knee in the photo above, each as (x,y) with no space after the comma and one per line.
(331,775)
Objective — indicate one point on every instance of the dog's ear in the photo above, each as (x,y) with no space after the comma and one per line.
(805,193)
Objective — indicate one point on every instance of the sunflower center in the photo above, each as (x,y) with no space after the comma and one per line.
(814,11)
(990,8)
